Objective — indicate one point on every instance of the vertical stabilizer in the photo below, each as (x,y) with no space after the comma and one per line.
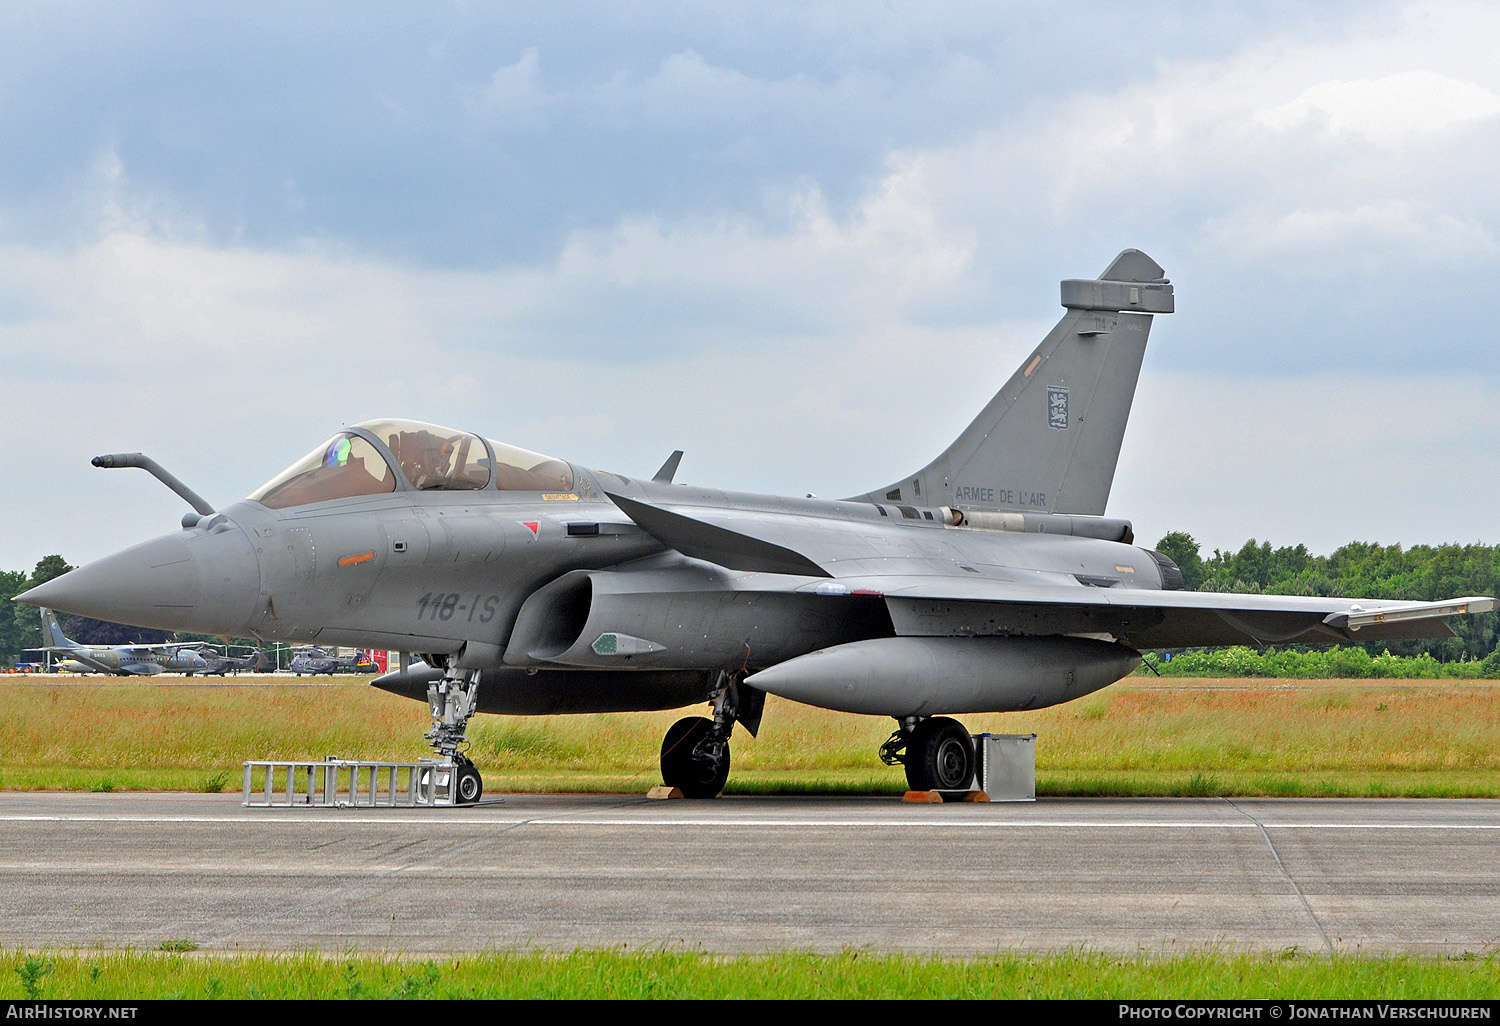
(53,631)
(1049,440)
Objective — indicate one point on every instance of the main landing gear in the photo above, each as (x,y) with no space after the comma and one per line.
(452,702)
(695,752)
(936,751)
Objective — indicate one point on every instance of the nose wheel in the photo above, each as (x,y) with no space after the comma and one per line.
(939,755)
(468,788)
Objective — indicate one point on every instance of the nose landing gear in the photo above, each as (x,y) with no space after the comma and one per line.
(452,702)
(937,753)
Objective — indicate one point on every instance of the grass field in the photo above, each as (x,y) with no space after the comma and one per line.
(1144,737)
(796,975)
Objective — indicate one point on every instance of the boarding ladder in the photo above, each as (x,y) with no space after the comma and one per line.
(349,783)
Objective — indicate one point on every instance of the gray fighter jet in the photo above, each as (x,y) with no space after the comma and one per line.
(988,580)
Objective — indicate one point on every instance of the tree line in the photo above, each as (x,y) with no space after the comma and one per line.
(1422,573)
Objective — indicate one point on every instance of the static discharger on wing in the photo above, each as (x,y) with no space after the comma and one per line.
(988,580)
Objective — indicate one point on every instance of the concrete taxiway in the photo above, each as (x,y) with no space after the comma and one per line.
(752,874)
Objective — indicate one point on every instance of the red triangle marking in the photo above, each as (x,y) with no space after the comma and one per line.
(531,525)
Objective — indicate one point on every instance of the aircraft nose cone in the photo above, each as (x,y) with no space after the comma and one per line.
(197,580)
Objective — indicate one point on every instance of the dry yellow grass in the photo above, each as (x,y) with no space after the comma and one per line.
(1138,737)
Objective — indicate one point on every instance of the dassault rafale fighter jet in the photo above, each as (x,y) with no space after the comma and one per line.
(988,580)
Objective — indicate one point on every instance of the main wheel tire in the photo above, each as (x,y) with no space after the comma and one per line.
(939,756)
(469,787)
(694,777)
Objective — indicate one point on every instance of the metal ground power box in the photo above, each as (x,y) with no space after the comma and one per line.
(1006,769)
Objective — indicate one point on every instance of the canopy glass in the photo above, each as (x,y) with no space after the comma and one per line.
(428,457)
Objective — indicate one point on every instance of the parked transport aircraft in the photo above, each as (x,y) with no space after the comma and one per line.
(120,660)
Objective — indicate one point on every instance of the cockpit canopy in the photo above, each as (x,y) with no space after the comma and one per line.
(382,456)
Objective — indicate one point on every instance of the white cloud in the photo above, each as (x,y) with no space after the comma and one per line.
(684,93)
(1261,160)
(1388,110)
(514,97)
(1384,236)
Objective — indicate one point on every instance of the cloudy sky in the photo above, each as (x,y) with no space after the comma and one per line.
(804,242)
